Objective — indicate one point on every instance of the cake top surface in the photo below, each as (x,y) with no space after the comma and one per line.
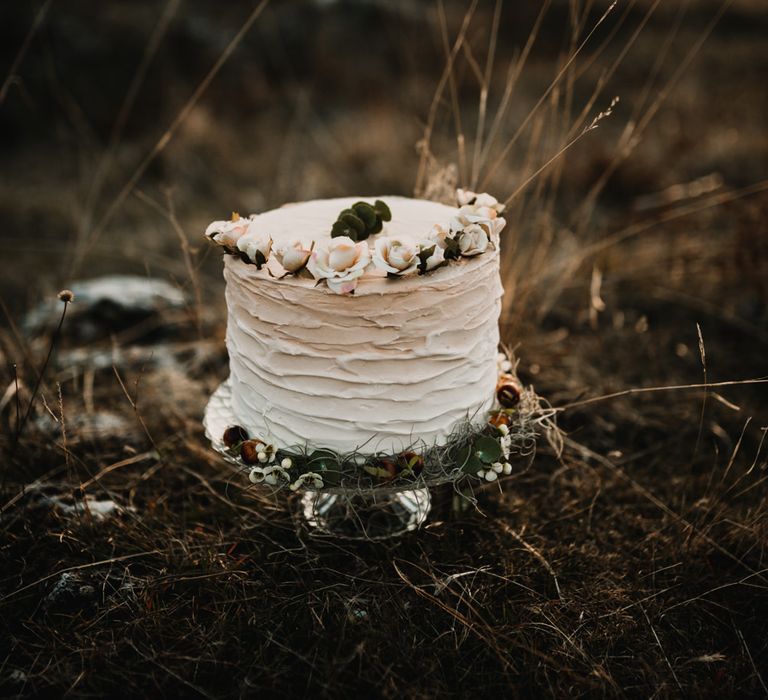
(350,241)
(312,220)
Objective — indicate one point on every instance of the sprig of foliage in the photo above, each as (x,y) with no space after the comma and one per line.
(361,220)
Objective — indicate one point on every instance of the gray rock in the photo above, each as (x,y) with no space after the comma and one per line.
(111,304)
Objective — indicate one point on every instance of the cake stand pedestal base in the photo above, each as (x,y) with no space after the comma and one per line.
(366,517)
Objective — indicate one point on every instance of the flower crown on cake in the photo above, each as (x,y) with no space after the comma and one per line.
(343,258)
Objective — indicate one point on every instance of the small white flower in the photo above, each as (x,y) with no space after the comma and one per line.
(293,256)
(340,261)
(506,445)
(507,468)
(398,256)
(491,475)
(287,463)
(270,476)
(227,233)
(256,475)
(262,457)
(256,246)
(473,240)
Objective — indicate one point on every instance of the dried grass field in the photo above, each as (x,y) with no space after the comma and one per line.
(635,262)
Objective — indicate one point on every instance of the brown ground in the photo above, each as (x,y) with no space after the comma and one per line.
(633,565)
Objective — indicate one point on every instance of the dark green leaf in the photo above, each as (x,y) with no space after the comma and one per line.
(366,213)
(377,226)
(382,210)
(354,222)
(468,461)
(487,449)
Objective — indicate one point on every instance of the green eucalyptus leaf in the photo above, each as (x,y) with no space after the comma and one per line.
(366,213)
(377,226)
(382,210)
(341,228)
(260,259)
(487,449)
(468,461)
(354,222)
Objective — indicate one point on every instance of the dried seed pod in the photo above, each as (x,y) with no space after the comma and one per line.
(412,461)
(508,391)
(234,435)
(499,419)
(250,449)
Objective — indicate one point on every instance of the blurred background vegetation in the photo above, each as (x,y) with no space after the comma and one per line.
(632,565)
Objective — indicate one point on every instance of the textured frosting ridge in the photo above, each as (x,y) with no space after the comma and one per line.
(402,361)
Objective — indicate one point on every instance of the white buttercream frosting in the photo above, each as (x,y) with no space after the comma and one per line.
(401,361)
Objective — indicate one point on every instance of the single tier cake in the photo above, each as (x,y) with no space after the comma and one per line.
(362,324)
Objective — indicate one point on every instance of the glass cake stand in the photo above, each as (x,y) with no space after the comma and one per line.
(372,513)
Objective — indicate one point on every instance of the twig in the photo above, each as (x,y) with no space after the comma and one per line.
(66,297)
(652,389)
(165,139)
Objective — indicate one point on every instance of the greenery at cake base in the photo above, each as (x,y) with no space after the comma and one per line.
(479,450)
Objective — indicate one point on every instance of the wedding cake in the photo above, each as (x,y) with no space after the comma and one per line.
(363,325)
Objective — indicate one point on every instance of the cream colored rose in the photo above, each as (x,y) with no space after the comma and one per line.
(398,256)
(228,233)
(340,262)
(473,240)
(256,246)
(438,235)
(467,216)
(293,256)
(483,204)
(430,260)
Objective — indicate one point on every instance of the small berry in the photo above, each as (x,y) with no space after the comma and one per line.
(491,475)
(507,468)
(262,457)
(508,391)
(250,450)
(234,435)
(286,463)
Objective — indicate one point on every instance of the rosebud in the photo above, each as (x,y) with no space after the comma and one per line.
(250,450)
(508,391)
(234,435)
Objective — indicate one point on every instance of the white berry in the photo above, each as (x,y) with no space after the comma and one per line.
(491,475)
(507,468)
(286,463)
(262,457)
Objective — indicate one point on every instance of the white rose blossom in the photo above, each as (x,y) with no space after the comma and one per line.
(397,256)
(473,240)
(293,256)
(256,246)
(438,235)
(340,262)
(484,204)
(227,233)
(434,259)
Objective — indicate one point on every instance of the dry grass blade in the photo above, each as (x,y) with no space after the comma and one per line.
(92,236)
